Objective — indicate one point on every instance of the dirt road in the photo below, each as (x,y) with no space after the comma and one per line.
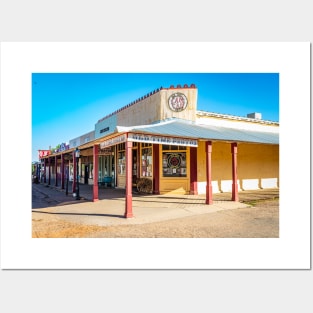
(261,220)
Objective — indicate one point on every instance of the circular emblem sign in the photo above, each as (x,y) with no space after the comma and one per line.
(177,102)
(174,160)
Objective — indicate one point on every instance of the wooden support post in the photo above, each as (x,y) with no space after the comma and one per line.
(129,196)
(234,148)
(193,171)
(209,194)
(62,171)
(156,169)
(74,173)
(95,196)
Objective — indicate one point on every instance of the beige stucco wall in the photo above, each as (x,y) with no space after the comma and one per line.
(143,112)
(257,166)
(155,108)
(189,113)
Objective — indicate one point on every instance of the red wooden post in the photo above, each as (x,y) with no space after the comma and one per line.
(62,171)
(45,171)
(49,179)
(56,170)
(209,195)
(156,169)
(193,171)
(74,172)
(235,196)
(95,196)
(129,196)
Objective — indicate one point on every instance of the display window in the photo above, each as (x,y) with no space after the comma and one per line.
(146,160)
(174,161)
(121,161)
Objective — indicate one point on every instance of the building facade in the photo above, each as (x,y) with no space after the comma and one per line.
(160,143)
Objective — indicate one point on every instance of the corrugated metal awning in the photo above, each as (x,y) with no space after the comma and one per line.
(185,129)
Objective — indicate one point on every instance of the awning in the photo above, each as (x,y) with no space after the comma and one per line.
(185,129)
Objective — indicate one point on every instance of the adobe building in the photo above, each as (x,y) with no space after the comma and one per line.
(162,144)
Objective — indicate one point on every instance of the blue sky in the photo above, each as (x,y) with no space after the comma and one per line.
(65,106)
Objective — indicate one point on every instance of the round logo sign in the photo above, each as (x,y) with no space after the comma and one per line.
(174,160)
(177,102)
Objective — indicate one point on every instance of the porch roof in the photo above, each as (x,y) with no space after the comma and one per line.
(186,129)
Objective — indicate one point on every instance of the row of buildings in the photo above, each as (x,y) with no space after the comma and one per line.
(162,144)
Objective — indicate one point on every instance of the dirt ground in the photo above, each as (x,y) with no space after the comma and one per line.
(260,220)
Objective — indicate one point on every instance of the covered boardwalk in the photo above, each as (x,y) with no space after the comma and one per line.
(172,132)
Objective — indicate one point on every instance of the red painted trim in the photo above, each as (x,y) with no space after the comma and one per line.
(156,169)
(49,172)
(209,194)
(74,172)
(129,196)
(62,171)
(95,196)
(56,170)
(193,171)
(45,171)
(234,149)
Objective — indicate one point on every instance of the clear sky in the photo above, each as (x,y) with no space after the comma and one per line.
(65,106)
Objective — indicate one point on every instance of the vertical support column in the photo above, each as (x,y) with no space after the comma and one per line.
(49,172)
(95,196)
(234,148)
(45,171)
(74,173)
(156,169)
(129,196)
(56,170)
(193,171)
(209,195)
(62,171)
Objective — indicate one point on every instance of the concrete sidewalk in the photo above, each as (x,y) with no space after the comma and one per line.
(109,210)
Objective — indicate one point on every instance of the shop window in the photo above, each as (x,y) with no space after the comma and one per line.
(174,164)
(121,163)
(146,160)
(173,148)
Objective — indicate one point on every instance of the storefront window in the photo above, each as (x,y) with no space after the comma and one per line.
(121,161)
(174,163)
(146,160)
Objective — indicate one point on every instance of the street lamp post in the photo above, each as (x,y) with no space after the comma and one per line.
(77,155)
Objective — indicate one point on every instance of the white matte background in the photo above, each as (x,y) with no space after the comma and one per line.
(154,291)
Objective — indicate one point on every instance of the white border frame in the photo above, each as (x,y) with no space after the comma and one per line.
(290,251)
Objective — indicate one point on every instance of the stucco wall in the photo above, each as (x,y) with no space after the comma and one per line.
(257,166)
(189,113)
(143,112)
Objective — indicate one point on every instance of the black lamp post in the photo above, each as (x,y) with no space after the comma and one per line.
(77,155)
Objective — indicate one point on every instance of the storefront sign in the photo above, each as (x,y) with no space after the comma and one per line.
(162,140)
(113,141)
(177,102)
(43,153)
(106,151)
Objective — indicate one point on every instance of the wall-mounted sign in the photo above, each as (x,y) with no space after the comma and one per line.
(113,141)
(43,153)
(162,140)
(177,102)
(106,151)
(103,130)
